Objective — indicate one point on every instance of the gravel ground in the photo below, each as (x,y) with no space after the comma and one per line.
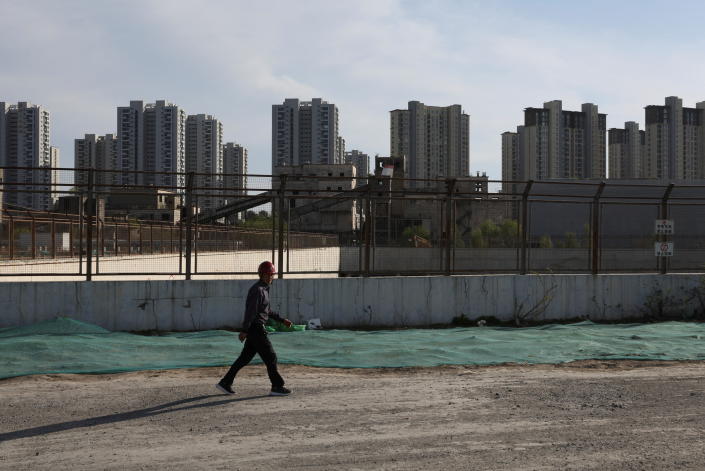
(584,415)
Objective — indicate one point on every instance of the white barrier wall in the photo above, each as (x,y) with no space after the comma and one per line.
(350,302)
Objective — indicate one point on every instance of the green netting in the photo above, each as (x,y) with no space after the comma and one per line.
(67,346)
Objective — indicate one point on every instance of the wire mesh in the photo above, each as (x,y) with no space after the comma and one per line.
(132,247)
(688,238)
(409,236)
(627,236)
(486,235)
(336,220)
(559,236)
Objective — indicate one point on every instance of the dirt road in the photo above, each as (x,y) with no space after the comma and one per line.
(588,415)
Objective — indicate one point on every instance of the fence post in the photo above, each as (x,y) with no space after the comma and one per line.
(99,235)
(595,245)
(196,238)
(101,231)
(664,215)
(129,237)
(181,246)
(450,225)
(368,227)
(53,237)
(89,228)
(288,239)
(11,242)
(280,260)
(525,227)
(81,209)
(189,214)
(71,239)
(33,228)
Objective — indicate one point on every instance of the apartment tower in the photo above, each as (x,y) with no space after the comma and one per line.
(204,156)
(626,151)
(84,157)
(510,160)
(305,132)
(25,142)
(164,144)
(101,154)
(130,132)
(434,139)
(234,162)
(361,161)
(151,138)
(675,141)
(557,144)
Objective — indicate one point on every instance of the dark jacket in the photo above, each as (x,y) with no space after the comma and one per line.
(257,308)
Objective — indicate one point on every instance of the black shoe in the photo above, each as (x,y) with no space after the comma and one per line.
(280,391)
(224,388)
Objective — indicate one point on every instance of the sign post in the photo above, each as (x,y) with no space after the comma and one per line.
(663,228)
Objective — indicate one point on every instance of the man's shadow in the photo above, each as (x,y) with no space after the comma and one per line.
(113,418)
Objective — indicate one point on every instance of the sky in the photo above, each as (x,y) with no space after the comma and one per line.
(234,59)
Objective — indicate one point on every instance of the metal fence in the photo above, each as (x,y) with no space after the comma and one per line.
(92,224)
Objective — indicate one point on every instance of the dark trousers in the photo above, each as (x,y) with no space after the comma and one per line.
(256,342)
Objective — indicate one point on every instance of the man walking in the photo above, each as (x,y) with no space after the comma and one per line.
(257,312)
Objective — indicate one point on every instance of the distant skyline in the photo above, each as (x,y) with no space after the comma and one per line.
(235,59)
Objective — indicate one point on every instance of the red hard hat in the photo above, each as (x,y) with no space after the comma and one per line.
(266,268)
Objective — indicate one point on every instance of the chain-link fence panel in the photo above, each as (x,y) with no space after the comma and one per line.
(409,236)
(233,229)
(37,244)
(627,236)
(316,224)
(486,235)
(137,247)
(688,237)
(559,236)
(5,238)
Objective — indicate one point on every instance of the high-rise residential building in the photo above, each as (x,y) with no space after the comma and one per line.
(25,142)
(510,160)
(204,156)
(361,161)
(555,143)
(4,107)
(106,158)
(626,151)
(235,170)
(151,138)
(164,144)
(340,150)
(84,157)
(54,178)
(305,132)
(675,141)
(101,154)
(435,140)
(130,132)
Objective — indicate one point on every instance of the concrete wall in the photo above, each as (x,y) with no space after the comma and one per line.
(343,302)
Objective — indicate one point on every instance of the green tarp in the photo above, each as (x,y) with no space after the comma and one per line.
(68,346)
